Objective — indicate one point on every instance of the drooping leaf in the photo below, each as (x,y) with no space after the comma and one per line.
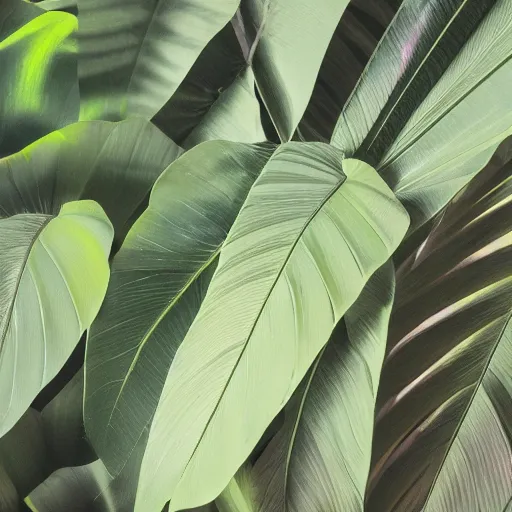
(135,54)
(321,457)
(158,280)
(312,221)
(443,427)
(421,111)
(114,164)
(38,79)
(51,268)
(289,40)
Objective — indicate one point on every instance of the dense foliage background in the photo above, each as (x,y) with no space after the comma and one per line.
(256,255)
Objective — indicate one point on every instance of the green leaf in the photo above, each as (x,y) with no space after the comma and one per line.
(59,5)
(133,66)
(443,426)
(214,71)
(421,111)
(63,425)
(24,459)
(114,164)
(45,262)
(38,82)
(234,116)
(321,457)
(312,221)
(89,488)
(360,29)
(239,495)
(290,38)
(158,280)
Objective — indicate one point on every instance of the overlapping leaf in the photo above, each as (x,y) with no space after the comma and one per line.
(158,280)
(360,29)
(313,222)
(38,79)
(421,111)
(114,164)
(289,40)
(320,458)
(44,263)
(135,54)
(443,430)
(213,73)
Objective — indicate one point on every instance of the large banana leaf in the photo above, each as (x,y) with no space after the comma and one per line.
(312,221)
(114,164)
(158,281)
(443,427)
(134,54)
(45,263)
(289,40)
(38,79)
(421,111)
(321,457)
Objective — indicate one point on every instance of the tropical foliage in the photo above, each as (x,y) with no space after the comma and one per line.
(256,256)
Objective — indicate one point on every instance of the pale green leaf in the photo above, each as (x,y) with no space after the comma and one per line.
(134,54)
(320,458)
(290,38)
(51,268)
(312,221)
(421,111)
(158,280)
(38,79)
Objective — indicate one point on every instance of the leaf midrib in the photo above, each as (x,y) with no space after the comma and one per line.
(334,189)
(155,325)
(468,407)
(47,220)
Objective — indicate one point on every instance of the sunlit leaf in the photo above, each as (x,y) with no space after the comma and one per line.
(38,79)
(312,221)
(114,164)
(51,268)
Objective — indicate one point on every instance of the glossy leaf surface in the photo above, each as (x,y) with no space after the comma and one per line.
(421,111)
